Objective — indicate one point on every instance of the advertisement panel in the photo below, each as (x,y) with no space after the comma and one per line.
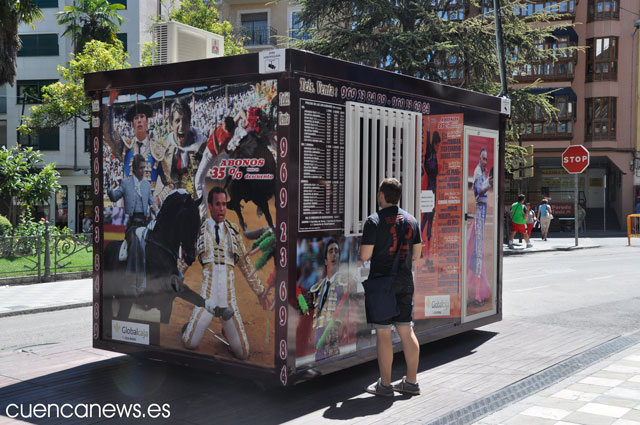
(438,272)
(481,229)
(189,178)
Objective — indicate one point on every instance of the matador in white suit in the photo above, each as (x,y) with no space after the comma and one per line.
(220,249)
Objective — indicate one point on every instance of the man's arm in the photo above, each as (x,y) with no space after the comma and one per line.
(365,252)
(417,250)
(115,194)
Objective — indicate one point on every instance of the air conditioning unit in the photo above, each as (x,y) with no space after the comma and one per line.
(178,42)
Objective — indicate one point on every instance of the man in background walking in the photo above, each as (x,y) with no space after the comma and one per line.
(380,243)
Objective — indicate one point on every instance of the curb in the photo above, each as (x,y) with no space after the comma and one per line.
(507,251)
(45,309)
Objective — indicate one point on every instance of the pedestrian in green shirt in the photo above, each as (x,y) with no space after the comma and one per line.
(519,221)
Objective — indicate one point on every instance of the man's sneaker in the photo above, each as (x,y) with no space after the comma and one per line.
(378,388)
(529,245)
(405,387)
(510,245)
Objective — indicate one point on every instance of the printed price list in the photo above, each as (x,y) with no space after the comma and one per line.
(322,166)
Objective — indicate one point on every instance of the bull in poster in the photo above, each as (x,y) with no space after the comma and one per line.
(176,258)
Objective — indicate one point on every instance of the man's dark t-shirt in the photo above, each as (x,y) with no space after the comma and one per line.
(381,229)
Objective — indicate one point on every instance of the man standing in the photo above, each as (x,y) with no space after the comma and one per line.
(184,142)
(330,297)
(519,221)
(380,244)
(220,249)
(136,191)
(477,283)
(138,115)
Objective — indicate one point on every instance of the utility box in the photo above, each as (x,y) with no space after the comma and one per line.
(178,42)
(269,284)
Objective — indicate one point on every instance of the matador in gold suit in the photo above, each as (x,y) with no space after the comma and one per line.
(219,255)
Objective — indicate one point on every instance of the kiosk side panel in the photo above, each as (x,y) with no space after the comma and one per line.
(349,137)
(177,162)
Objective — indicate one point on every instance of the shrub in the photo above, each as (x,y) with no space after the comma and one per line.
(5,226)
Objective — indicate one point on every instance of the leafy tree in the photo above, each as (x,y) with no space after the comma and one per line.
(64,101)
(24,176)
(428,39)
(91,20)
(204,15)
(12,14)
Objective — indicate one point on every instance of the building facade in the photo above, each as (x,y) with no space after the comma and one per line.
(596,93)
(264,25)
(44,48)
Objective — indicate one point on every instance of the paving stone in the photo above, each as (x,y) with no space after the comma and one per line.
(588,419)
(624,393)
(603,382)
(589,388)
(615,401)
(546,412)
(632,415)
(604,410)
(625,422)
(529,420)
(575,395)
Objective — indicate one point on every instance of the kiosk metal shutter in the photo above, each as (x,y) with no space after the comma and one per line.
(380,142)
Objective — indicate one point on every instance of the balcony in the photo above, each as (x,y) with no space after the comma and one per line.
(561,70)
(257,36)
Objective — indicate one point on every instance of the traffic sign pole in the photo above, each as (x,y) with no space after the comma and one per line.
(575,205)
(575,159)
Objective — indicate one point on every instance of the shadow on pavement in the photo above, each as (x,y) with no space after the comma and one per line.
(197,396)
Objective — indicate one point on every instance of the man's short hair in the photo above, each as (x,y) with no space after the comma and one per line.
(182,107)
(521,197)
(391,189)
(483,150)
(215,189)
(326,247)
(137,159)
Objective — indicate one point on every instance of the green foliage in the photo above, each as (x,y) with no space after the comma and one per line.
(13,13)
(24,176)
(146,54)
(65,100)
(5,226)
(204,15)
(412,38)
(89,20)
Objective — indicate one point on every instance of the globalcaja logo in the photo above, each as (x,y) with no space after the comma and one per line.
(437,305)
(137,333)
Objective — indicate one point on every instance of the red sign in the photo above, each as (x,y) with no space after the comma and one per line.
(575,159)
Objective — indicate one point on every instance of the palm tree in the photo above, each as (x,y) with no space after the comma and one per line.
(13,13)
(90,20)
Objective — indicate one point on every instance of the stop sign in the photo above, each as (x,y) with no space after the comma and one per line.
(575,159)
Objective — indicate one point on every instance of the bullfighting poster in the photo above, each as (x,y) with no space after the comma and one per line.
(189,212)
(331,321)
(481,228)
(438,272)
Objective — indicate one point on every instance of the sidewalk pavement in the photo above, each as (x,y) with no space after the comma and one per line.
(551,244)
(40,297)
(606,393)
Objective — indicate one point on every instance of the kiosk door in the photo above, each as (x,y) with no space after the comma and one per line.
(480,209)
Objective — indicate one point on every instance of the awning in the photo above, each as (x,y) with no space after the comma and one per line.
(564,32)
(556,91)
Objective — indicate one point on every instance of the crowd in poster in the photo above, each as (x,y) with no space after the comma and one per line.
(437,273)
(189,212)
